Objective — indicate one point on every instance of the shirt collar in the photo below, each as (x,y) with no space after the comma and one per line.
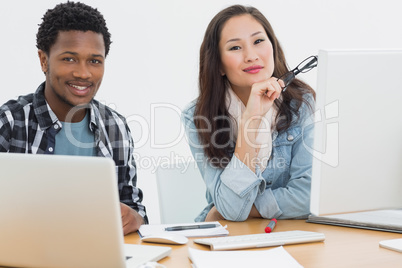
(93,125)
(45,115)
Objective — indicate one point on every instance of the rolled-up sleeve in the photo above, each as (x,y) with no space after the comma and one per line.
(292,199)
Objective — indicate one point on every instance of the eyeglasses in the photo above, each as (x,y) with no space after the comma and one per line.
(303,67)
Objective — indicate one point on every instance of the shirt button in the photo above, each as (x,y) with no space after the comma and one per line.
(56,126)
(290,138)
(50,149)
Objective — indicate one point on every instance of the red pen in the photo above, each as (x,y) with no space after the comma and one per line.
(271,225)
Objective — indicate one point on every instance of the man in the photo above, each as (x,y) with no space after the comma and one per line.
(62,117)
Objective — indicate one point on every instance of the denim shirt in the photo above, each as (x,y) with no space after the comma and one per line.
(282,191)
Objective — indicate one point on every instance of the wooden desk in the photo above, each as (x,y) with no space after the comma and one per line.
(343,246)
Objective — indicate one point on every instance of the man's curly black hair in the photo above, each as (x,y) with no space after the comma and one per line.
(70,16)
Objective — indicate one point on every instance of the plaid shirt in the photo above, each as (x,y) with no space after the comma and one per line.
(28,125)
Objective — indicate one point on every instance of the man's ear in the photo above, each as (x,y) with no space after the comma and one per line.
(43,58)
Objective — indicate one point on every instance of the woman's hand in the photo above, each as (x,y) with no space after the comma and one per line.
(214,215)
(262,97)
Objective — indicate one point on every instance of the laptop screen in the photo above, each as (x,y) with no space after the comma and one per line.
(59,211)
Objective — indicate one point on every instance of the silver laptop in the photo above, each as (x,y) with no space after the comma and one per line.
(63,211)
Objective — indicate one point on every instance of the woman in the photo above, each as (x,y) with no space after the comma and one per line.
(249,139)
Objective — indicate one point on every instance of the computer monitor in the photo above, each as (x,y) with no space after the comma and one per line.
(357,162)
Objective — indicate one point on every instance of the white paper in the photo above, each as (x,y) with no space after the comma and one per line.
(276,257)
(140,254)
(393,244)
(157,229)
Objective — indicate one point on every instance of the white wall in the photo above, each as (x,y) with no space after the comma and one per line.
(154,57)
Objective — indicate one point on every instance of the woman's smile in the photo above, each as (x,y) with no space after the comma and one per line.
(253,69)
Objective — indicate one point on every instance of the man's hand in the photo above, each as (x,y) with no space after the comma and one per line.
(130,218)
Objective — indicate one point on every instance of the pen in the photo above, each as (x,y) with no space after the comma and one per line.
(271,225)
(190,227)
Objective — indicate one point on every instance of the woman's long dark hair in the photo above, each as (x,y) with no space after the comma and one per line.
(211,112)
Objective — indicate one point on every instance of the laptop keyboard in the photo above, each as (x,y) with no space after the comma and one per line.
(261,240)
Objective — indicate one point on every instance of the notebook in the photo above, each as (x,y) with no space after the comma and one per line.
(160,229)
(63,211)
